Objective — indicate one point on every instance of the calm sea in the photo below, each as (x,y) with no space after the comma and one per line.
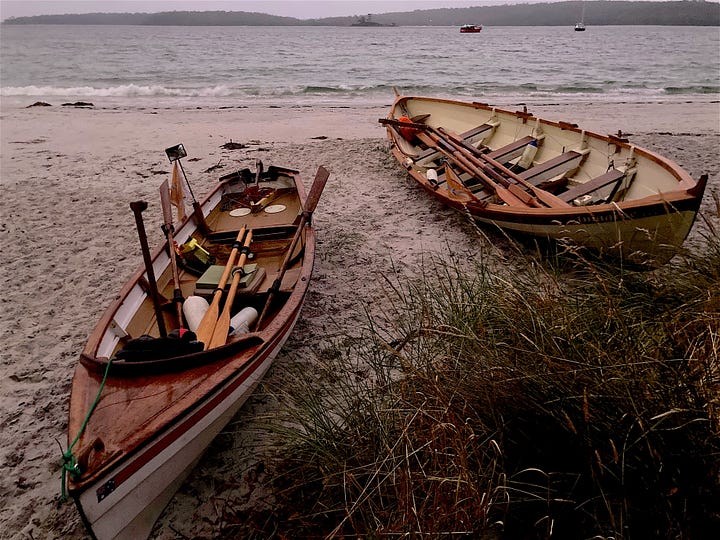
(214,66)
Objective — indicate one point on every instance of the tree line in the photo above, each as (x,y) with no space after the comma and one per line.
(597,13)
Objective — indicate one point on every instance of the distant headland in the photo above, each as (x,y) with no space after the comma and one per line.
(596,13)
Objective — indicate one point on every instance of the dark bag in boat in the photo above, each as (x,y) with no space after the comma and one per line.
(145,348)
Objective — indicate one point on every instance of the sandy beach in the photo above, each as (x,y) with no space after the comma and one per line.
(68,242)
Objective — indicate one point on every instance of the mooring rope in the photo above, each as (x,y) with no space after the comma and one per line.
(70,464)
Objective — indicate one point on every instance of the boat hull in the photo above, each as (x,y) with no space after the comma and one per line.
(643,217)
(125,503)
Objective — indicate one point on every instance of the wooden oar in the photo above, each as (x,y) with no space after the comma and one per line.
(207,324)
(432,140)
(138,207)
(426,134)
(168,229)
(443,135)
(482,170)
(222,326)
(310,203)
(548,198)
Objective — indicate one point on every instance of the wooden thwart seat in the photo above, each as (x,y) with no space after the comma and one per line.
(510,151)
(552,167)
(599,182)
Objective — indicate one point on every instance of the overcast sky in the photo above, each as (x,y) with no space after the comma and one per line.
(302,9)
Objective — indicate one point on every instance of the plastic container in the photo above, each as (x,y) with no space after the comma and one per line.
(528,155)
(194,309)
(241,321)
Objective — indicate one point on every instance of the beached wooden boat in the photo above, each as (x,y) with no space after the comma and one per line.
(546,179)
(144,407)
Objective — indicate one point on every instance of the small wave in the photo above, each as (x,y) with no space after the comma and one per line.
(323,90)
(578,89)
(692,90)
(128,90)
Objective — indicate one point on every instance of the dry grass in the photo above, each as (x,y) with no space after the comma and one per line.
(551,402)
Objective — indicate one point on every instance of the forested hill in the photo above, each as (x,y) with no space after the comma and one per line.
(603,12)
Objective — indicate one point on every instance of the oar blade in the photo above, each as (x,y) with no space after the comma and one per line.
(165,203)
(540,194)
(206,327)
(321,178)
(220,332)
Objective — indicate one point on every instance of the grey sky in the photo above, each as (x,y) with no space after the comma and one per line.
(302,9)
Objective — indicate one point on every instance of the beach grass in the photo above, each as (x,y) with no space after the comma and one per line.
(543,399)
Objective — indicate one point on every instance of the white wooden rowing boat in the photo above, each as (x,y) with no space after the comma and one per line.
(546,179)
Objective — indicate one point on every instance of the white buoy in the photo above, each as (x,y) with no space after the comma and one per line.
(432,176)
(194,309)
(241,321)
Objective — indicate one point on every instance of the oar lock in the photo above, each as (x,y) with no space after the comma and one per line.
(240,269)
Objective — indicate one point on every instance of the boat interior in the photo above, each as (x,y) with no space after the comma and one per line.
(269,208)
(517,149)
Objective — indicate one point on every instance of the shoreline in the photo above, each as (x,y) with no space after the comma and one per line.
(68,175)
(301,122)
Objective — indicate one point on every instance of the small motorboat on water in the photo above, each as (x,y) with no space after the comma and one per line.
(185,343)
(470,28)
(546,179)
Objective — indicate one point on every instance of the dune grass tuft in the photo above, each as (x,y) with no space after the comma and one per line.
(546,402)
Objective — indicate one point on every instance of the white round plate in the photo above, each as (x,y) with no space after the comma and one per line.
(275,208)
(239,212)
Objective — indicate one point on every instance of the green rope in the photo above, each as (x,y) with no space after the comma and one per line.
(70,464)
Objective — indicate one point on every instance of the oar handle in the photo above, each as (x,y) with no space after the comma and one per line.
(222,325)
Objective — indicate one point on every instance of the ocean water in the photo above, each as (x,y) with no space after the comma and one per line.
(131,66)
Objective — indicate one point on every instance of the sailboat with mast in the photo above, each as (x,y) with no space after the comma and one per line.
(580,25)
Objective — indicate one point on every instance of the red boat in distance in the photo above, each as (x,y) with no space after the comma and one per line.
(470,28)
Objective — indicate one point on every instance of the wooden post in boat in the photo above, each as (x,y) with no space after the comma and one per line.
(310,203)
(222,326)
(138,207)
(168,229)
(207,324)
